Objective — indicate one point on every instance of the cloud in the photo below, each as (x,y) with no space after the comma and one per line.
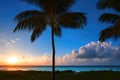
(93,53)
(98,50)
(12,41)
(9,42)
(44,59)
(69,59)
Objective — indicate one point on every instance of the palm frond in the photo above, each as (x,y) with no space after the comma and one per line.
(27,14)
(116,30)
(72,20)
(113,32)
(109,18)
(103,4)
(106,33)
(48,5)
(38,31)
(57,30)
(30,23)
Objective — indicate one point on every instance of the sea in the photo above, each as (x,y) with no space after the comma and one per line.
(60,68)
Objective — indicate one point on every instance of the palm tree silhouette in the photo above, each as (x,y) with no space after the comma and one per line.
(53,13)
(114,29)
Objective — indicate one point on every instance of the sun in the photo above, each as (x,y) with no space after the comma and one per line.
(12,60)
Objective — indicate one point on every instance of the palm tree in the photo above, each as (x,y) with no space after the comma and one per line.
(53,13)
(113,30)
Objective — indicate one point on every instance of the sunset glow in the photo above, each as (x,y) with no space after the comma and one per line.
(74,47)
(12,60)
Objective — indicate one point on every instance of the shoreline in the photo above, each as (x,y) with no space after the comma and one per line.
(59,71)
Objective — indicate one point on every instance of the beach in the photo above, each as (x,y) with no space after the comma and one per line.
(60,75)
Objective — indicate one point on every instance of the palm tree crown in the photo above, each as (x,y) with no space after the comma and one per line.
(113,30)
(53,13)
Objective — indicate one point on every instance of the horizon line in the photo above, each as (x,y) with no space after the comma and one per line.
(60,65)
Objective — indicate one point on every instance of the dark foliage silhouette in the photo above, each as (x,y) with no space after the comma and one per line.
(54,13)
(114,29)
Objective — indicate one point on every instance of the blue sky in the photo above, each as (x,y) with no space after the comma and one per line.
(19,43)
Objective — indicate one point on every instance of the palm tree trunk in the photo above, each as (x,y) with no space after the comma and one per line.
(53,56)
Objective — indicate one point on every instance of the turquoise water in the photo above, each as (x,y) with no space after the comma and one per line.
(63,68)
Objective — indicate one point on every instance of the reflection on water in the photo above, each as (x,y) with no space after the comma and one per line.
(13,68)
(60,68)
(25,68)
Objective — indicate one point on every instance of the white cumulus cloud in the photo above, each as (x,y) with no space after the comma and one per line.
(93,53)
(98,50)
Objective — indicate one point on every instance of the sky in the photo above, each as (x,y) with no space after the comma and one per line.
(75,47)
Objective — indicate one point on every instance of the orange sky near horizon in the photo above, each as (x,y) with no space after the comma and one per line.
(14,60)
